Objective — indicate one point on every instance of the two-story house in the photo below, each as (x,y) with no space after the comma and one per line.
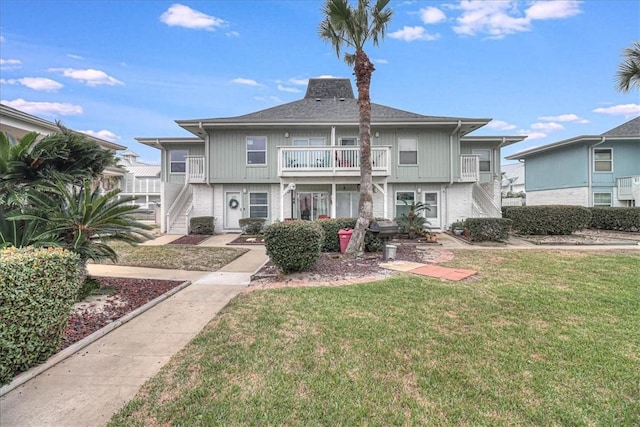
(16,124)
(301,160)
(588,170)
(141,181)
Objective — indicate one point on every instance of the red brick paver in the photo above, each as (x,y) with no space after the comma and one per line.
(443,272)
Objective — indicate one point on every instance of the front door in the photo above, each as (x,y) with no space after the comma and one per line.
(433,214)
(233,212)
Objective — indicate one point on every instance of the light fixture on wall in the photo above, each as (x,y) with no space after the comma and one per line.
(286,134)
(244,190)
(377,134)
(419,190)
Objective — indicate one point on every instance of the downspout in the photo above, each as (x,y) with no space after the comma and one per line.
(163,180)
(451,160)
(590,169)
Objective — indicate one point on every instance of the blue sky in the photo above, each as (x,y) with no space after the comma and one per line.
(126,69)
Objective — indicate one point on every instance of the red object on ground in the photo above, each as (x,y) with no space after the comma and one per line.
(345,236)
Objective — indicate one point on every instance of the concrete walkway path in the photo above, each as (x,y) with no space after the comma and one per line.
(88,387)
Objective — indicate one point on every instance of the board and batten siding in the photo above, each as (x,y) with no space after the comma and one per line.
(557,169)
(178,178)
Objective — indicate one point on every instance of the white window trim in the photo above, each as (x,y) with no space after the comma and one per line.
(593,166)
(252,204)
(601,204)
(308,139)
(171,162)
(247,151)
(476,152)
(417,151)
(349,137)
(395,200)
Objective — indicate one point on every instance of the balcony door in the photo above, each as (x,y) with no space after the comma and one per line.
(311,158)
(311,205)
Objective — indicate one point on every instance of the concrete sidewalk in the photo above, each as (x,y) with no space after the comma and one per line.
(87,388)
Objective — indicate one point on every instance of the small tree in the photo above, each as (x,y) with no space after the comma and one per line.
(412,222)
(629,71)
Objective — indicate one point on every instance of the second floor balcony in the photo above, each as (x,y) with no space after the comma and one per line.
(330,161)
(626,186)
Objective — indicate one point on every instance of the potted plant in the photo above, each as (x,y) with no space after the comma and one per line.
(458,228)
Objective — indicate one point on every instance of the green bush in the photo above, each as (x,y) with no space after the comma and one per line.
(202,225)
(620,219)
(252,225)
(37,290)
(488,229)
(545,220)
(332,241)
(293,245)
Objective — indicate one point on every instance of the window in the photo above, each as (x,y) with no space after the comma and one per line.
(404,199)
(602,160)
(408,151)
(178,161)
(258,205)
(484,159)
(257,150)
(602,199)
(347,204)
(349,142)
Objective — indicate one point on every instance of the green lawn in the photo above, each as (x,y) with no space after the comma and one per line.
(538,338)
(182,257)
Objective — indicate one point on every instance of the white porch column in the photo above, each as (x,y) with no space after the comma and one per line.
(333,135)
(333,200)
(282,193)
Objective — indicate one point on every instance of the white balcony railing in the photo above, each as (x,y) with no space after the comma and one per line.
(626,185)
(299,161)
(469,168)
(195,169)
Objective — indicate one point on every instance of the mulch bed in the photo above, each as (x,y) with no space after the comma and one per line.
(247,239)
(191,239)
(122,296)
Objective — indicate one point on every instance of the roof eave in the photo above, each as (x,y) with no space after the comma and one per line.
(565,142)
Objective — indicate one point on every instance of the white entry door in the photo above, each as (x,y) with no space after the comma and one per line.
(433,214)
(233,212)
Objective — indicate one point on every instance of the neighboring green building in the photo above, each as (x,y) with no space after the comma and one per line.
(588,170)
(301,160)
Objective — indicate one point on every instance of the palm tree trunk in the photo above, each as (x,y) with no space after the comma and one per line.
(363,70)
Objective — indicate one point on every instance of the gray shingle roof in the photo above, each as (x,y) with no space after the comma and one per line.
(328,99)
(630,128)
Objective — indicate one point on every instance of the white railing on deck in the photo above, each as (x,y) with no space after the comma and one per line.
(195,169)
(625,187)
(469,168)
(330,159)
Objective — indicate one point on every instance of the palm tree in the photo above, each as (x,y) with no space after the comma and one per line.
(629,71)
(353,28)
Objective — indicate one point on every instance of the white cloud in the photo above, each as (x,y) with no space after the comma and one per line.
(557,9)
(107,135)
(432,15)
(44,108)
(90,77)
(288,89)
(72,56)
(498,19)
(179,15)
(410,34)
(547,127)
(246,82)
(1,38)
(564,118)
(10,64)
(620,110)
(232,34)
(500,125)
(380,61)
(299,82)
(35,83)
(531,135)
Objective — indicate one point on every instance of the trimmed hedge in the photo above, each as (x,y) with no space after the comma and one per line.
(202,225)
(331,227)
(620,219)
(546,220)
(252,225)
(488,229)
(37,290)
(294,245)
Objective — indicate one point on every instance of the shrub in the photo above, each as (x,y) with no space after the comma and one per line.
(202,225)
(252,225)
(545,220)
(293,245)
(331,242)
(37,290)
(488,229)
(621,219)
